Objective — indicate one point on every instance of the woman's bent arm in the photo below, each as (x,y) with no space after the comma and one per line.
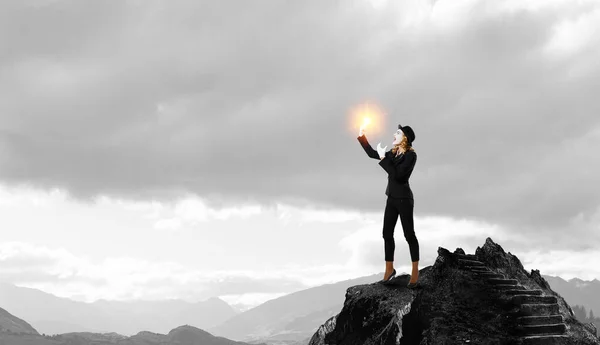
(399,171)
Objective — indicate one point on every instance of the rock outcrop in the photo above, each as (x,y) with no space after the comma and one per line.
(482,298)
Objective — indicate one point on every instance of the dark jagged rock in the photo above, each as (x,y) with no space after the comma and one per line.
(482,298)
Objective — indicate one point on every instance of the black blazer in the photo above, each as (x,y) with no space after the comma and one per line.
(398,168)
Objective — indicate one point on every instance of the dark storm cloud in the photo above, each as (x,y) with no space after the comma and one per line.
(244,102)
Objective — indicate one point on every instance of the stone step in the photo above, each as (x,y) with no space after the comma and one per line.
(498,281)
(530,299)
(537,309)
(523,292)
(540,320)
(477,268)
(490,275)
(554,329)
(470,262)
(508,287)
(546,330)
(546,340)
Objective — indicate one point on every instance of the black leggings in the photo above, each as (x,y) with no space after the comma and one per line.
(404,208)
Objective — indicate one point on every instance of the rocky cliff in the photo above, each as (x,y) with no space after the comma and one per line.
(482,298)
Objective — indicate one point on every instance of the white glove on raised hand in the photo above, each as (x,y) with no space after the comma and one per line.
(381,150)
(362,131)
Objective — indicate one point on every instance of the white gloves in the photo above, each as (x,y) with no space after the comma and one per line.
(381,150)
(361,132)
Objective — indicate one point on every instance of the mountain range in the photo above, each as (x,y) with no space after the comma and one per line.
(289,319)
(50,314)
(15,331)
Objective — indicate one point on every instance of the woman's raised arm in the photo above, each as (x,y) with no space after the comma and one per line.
(367,147)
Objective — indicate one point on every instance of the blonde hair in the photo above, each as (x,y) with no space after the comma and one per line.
(403,144)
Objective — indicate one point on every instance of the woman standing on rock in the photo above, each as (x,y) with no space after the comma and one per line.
(399,163)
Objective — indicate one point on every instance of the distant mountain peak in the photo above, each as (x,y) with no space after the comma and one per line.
(187,327)
(11,323)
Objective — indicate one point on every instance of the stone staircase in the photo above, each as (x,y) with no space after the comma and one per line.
(538,318)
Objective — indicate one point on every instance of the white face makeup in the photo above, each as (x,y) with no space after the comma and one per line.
(398,137)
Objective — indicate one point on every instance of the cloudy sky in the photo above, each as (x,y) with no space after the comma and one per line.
(189,149)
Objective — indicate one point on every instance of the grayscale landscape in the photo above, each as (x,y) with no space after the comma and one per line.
(251,172)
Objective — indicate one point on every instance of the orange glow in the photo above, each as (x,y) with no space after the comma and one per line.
(369,116)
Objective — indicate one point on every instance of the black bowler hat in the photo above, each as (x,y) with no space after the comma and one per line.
(410,134)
